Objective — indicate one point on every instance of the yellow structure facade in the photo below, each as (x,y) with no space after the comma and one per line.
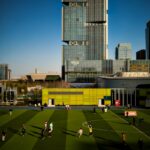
(75,96)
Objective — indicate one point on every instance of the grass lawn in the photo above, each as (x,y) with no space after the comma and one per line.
(107,129)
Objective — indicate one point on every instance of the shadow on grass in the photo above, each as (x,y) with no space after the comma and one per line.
(15,124)
(72,133)
(104,140)
(37,127)
(58,139)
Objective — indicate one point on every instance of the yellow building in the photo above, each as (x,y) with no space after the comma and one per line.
(76,96)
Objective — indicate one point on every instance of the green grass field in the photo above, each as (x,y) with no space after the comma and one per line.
(107,129)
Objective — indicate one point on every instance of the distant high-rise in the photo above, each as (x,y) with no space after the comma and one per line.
(148,40)
(5,72)
(85,30)
(123,51)
(141,54)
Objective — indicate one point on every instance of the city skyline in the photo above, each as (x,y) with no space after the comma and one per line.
(31,32)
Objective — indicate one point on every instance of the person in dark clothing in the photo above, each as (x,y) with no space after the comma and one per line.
(42,134)
(134,121)
(23,130)
(42,108)
(140,144)
(49,132)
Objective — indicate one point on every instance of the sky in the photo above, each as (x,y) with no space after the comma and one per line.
(30,32)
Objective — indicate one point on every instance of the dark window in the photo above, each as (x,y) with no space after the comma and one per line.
(65,93)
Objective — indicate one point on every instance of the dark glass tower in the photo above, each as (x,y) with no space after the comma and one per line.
(85,30)
(148,40)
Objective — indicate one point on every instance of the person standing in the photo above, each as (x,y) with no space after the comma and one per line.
(10,112)
(140,144)
(3,135)
(123,138)
(51,126)
(42,134)
(23,130)
(133,121)
(45,125)
(90,129)
(80,132)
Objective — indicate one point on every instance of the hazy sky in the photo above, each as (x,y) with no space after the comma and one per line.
(30,32)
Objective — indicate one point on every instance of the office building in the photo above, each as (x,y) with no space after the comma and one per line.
(130,88)
(141,54)
(123,51)
(84,31)
(148,40)
(5,72)
(139,66)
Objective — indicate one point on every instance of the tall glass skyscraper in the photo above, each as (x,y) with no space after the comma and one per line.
(148,40)
(85,30)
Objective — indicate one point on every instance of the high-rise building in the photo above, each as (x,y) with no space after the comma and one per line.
(85,30)
(148,40)
(123,51)
(141,54)
(5,72)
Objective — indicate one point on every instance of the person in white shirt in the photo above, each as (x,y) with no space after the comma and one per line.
(51,126)
(80,132)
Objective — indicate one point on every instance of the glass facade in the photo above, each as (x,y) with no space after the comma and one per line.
(83,71)
(84,30)
(4,72)
(148,40)
(141,54)
(123,51)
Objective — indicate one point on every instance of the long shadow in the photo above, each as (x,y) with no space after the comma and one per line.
(4,112)
(37,127)
(69,133)
(142,125)
(104,139)
(59,119)
(14,125)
